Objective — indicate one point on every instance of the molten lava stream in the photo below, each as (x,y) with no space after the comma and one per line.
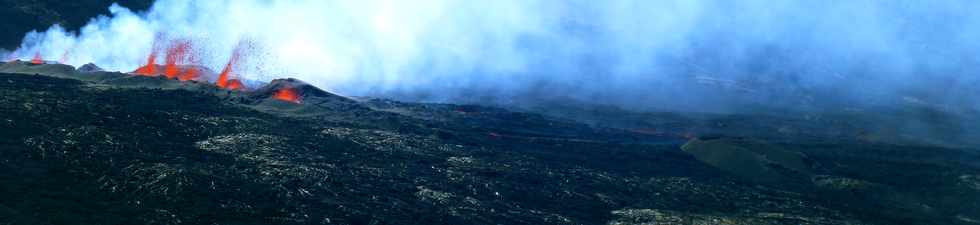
(287,94)
(37,59)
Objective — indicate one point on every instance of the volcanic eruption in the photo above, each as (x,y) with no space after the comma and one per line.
(181,63)
(37,59)
(495,112)
(179,53)
(287,94)
(150,68)
(227,79)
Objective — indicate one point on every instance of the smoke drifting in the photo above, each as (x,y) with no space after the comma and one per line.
(688,55)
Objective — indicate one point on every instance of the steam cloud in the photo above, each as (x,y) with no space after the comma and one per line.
(636,54)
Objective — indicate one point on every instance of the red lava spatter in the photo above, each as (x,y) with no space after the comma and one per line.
(227,79)
(150,68)
(287,94)
(180,53)
(176,53)
(37,59)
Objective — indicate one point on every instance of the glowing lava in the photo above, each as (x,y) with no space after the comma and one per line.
(287,94)
(180,63)
(37,59)
(177,53)
(189,74)
(150,68)
(234,84)
(225,79)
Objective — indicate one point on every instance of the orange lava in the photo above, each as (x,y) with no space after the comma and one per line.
(177,53)
(179,61)
(150,68)
(234,84)
(226,80)
(189,74)
(223,77)
(287,94)
(37,59)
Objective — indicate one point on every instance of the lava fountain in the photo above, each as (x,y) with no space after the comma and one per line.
(176,53)
(37,59)
(226,79)
(150,68)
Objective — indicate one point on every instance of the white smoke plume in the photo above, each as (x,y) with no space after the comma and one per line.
(632,53)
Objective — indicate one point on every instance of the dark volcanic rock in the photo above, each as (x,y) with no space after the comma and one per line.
(112,148)
(307,93)
(304,89)
(90,67)
(311,101)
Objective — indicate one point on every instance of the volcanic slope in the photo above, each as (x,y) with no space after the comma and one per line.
(113,148)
